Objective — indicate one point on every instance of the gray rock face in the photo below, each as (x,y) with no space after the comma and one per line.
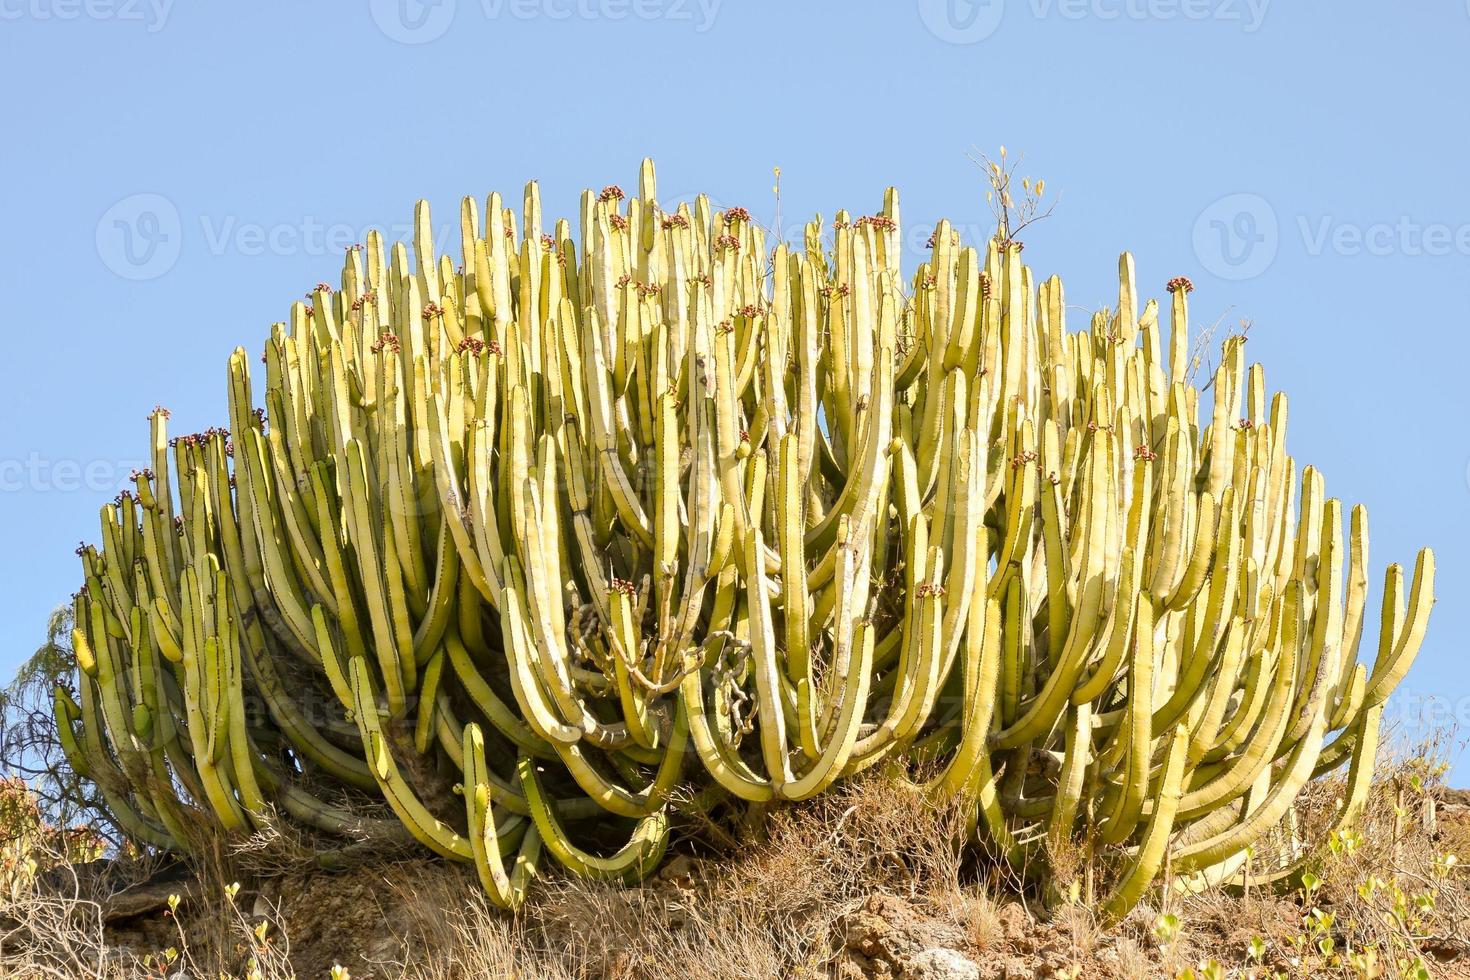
(940,963)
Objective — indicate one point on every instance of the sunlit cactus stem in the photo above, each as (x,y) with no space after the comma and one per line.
(600,517)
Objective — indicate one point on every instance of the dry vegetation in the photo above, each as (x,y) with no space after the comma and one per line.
(866,883)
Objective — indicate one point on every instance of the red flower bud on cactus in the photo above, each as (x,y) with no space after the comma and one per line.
(878,222)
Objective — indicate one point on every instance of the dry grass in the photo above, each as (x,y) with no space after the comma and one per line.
(58,931)
(55,919)
(1387,898)
(855,885)
(60,936)
(774,911)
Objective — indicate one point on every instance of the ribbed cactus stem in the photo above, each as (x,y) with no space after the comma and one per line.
(594,512)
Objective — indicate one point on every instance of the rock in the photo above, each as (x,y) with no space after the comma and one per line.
(850,966)
(886,936)
(940,963)
(875,929)
(681,872)
(1456,798)
(1014,922)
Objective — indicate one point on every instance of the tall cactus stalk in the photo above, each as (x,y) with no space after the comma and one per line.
(592,514)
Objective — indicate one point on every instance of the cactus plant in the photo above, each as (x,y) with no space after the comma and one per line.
(660,501)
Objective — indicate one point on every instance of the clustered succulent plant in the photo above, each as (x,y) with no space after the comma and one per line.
(600,514)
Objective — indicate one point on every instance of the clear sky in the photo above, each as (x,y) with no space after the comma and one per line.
(176,172)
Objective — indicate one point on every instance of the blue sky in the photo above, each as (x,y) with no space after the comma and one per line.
(177,172)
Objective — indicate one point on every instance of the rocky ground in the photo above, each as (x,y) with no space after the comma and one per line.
(790,910)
